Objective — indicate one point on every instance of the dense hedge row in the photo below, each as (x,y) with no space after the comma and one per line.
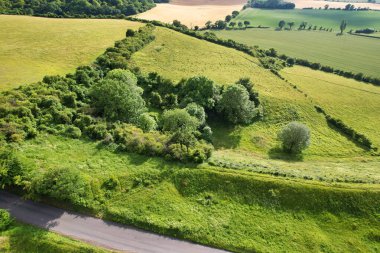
(75,8)
(356,137)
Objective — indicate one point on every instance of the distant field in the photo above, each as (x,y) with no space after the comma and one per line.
(334,4)
(192,13)
(325,18)
(32,47)
(348,52)
(357,104)
(175,56)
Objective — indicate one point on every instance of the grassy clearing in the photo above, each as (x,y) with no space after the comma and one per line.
(31,47)
(249,213)
(353,102)
(176,56)
(349,53)
(326,18)
(23,238)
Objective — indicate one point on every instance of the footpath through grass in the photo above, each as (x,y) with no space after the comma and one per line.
(235,210)
(347,52)
(32,47)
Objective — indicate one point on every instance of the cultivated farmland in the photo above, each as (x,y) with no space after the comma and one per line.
(32,47)
(348,52)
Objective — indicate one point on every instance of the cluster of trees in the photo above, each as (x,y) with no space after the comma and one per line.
(75,8)
(270,4)
(107,101)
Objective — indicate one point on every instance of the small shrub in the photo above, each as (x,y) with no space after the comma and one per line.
(294,137)
(5,220)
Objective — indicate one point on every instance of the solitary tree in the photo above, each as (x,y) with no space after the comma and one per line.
(234,14)
(228,18)
(327,7)
(281,24)
(232,24)
(246,23)
(343,26)
(240,24)
(295,137)
(290,24)
(208,24)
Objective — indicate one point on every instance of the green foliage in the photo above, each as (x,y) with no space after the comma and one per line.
(294,137)
(236,106)
(76,8)
(64,184)
(5,220)
(200,90)
(196,111)
(146,122)
(118,99)
(12,172)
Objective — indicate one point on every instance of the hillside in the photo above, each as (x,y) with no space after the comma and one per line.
(32,47)
(185,56)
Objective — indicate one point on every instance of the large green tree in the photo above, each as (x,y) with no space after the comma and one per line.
(117,97)
(200,90)
(236,106)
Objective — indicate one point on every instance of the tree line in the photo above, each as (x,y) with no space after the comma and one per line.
(76,8)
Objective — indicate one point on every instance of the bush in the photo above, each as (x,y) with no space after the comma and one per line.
(197,111)
(73,132)
(146,122)
(5,220)
(295,137)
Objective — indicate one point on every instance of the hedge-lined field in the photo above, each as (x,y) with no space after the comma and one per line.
(347,52)
(32,47)
(326,18)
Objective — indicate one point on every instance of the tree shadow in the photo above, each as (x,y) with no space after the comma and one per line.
(278,154)
(225,135)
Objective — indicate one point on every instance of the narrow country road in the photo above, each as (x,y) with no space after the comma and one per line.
(95,231)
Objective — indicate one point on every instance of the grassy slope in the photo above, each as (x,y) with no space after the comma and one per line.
(250,212)
(23,238)
(357,104)
(175,55)
(350,53)
(31,47)
(325,18)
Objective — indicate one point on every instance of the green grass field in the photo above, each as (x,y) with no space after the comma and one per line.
(348,52)
(176,56)
(356,104)
(326,18)
(22,238)
(32,47)
(251,212)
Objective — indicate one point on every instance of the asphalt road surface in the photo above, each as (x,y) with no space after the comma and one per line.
(96,231)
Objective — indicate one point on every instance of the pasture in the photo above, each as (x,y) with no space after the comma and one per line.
(32,47)
(357,104)
(177,56)
(334,4)
(347,52)
(200,210)
(325,18)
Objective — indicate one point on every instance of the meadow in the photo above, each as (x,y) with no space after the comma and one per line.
(177,56)
(347,52)
(325,18)
(251,212)
(32,47)
(24,238)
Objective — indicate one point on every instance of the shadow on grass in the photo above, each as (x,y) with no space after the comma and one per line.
(225,135)
(278,154)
